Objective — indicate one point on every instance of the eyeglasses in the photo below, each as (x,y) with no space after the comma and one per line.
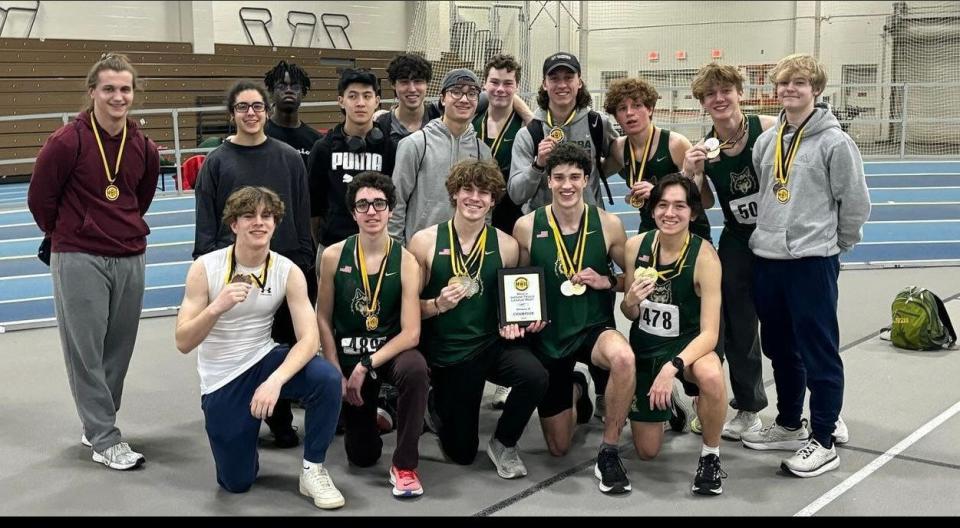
(362,206)
(472,94)
(282,86)
(243,107)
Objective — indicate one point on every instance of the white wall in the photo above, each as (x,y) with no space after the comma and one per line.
(117,20)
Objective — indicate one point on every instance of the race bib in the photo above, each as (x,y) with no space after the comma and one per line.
(745,209)
(659,319)
(355,346)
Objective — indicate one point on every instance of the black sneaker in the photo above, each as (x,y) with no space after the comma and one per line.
(609,469)
(584,405)
(285,438)
(707,481)
(678,414)
(431,418)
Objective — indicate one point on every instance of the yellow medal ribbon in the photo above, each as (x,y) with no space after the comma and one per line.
(362,264)
(503,131)
(637,176)
(461,267)
(112,191)
(261,279)
(784,160)
(681,258)
(566,261)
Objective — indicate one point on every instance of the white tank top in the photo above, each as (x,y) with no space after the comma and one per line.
(241,337)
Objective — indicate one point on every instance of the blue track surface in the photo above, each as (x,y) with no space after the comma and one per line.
(915,217)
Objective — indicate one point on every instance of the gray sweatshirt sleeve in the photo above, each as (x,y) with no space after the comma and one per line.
(849,186)
(405,179)
(524,178)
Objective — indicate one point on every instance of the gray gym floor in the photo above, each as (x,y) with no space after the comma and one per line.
(890,395)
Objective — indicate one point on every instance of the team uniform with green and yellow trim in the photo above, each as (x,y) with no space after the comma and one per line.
(658,166)
(505,213)
(669,320)
(349,307)
(464,331)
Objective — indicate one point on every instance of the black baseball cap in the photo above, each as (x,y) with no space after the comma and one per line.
(350,76)
(562,59)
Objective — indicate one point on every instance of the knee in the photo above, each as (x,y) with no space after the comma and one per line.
(365,457)
(711,383)
(415,372)
(537,381)
(557,447)
(623,361)
(461,455)
(324,376)
(236,483)
(646,452)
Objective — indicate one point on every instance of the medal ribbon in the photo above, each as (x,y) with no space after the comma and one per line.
(636,176)
(566,262)
(503,131)
(783,161)
(461,267)
(111,177)
(567,122)
(362,264)
(231,270)
(677,268)
(732,141)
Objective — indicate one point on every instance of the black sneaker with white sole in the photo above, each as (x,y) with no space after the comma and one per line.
(610,471)
(707,481)
(584,405)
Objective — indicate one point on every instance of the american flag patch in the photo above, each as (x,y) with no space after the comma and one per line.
(346,269)
(444,251)
(542,234)
(644,258)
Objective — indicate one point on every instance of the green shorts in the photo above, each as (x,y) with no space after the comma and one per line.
(647,369)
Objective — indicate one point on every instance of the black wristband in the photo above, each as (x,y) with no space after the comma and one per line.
(538,167)
(613,281)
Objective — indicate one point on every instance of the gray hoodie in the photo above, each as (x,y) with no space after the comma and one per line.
(829,201)
(528,186)
(422,198)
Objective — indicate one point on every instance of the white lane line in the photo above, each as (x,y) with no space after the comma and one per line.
(48,297)
(908,242)
(35,239)
(877,463)
(47,274)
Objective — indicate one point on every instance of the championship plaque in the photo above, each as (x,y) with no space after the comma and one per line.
(522,299)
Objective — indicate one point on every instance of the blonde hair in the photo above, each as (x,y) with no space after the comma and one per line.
(803,65)
(108,61)
(247,199)
(484,175)
(715,75)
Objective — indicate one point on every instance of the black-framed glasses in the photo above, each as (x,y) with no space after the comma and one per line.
(472,93)
(362,206)
(243,107)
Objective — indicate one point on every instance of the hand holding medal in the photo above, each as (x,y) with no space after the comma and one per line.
(462,276)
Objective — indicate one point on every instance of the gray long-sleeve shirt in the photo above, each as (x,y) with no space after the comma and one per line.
(828,202)
(422,198)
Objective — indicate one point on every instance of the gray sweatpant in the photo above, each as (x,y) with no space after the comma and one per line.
(98,302)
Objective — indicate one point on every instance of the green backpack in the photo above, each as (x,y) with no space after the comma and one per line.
(920,321)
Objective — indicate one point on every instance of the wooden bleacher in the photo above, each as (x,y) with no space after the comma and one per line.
(46,76)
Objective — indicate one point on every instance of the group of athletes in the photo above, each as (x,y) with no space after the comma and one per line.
(330,265)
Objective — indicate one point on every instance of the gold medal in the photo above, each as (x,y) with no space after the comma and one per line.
(372,301)
(463,282)
(578,289)
(567,289)
(112,192)
(645,273)
(474,288)
(556,134)
(783,195)
(637,201)
(372,323)
(242,277)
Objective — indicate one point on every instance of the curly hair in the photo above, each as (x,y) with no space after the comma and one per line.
(108,61)
(484,175)
(502,61)
(583,97)
(409,66)
(372,180)
(689,186)
(247,199)
(297,76)
(800,64)
(715,75)
(569,153)
(630,88)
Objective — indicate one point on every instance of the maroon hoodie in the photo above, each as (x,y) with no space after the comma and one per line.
(66,194)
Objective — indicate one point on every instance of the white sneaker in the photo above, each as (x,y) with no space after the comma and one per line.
(316,482)
(506,459)
(84,441)
(841,434)
(119,456)
(811,460)
(500,397)
(776,437)
(743,422)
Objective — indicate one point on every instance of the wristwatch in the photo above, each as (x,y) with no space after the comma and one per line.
(678,363)
(367,361)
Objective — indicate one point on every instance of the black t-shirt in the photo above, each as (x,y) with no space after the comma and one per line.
(301,138)
(332,165)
